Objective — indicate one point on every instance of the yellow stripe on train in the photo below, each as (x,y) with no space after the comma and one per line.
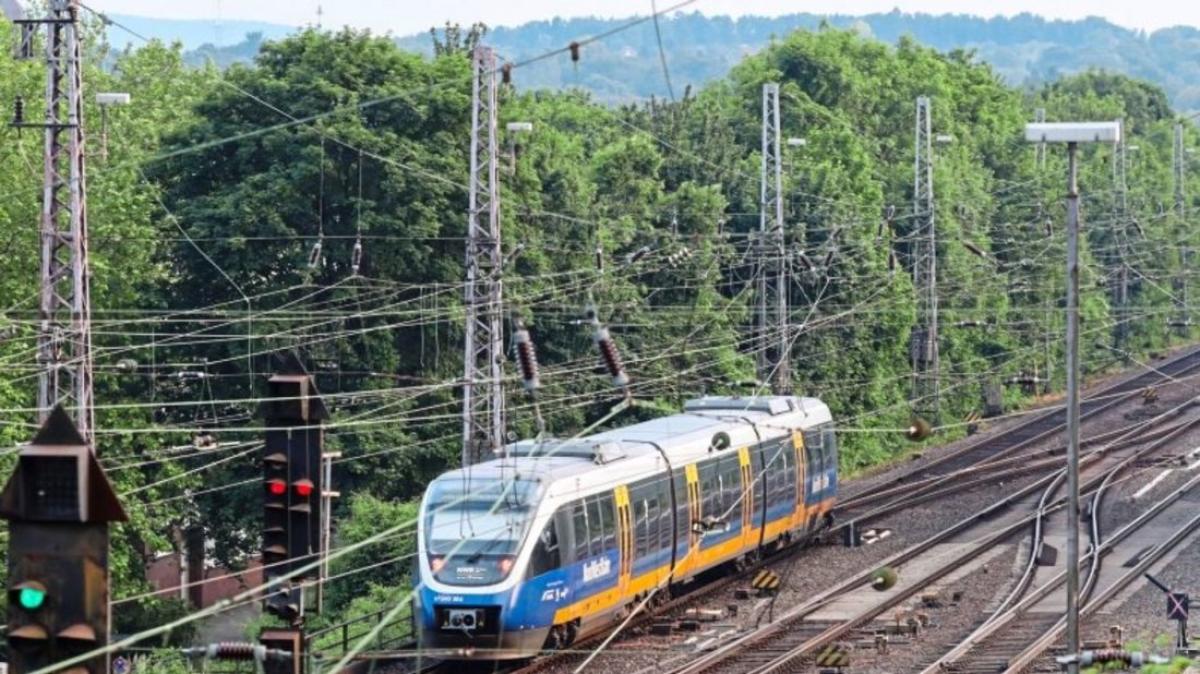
(695,559)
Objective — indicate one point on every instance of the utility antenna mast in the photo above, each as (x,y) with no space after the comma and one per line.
(1179,157)
(483,388)
(774,347)
(1039,117)
(926,384)
(64,338)
(1121,287)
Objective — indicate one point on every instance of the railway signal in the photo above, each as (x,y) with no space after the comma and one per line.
(58,504)
(292,487)
(1178,607)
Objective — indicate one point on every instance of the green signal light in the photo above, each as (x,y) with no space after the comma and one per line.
(31,598)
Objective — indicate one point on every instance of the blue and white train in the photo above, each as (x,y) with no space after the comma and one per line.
(561,539)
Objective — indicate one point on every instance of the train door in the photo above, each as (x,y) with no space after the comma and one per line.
(694,516)
(624,537)
(801,466)
(750,534)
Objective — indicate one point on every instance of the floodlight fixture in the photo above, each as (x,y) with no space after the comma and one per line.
(519,127)
(1073,132)
(797,142)
(12,10)
(110,99)
(943,139)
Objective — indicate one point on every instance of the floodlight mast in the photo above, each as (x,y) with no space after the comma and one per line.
(1073,134)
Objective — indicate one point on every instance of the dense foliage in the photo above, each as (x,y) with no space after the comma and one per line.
(314,200)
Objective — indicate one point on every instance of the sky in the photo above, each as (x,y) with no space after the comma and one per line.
(412,16)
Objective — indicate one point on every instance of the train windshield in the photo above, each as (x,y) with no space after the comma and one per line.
(474,528)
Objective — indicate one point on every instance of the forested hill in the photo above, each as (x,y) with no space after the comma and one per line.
(1024,49)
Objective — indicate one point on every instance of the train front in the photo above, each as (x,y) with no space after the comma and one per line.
(471,599)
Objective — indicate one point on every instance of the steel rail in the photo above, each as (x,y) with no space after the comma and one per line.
(1050,482)
(1103,400)
(1000,619)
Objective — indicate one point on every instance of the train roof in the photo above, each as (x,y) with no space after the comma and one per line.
(684,438)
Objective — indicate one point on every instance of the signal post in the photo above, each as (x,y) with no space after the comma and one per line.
(58,504)
(293,505)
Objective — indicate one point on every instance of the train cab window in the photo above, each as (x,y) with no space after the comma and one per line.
(545,552)
(579,525)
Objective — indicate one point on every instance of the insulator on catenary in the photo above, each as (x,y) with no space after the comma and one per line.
(574,47)
(611,356)
(678,257)
(314,255)
(599,258)
(506,73)
(803,260)
(636,255)
(356,257)
(975,249)
(527,359)
(19,111)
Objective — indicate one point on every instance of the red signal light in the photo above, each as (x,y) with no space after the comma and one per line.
(303,488)
(276,487)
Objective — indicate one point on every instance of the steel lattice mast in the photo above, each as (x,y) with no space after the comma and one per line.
(1179,165)
(774,347)
(926,384)
(64,338)
(483,390)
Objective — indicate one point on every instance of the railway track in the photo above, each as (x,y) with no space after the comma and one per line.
(1003,644)
(789,644)
(985,452)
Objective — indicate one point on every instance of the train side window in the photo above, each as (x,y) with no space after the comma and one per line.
(831,449)
(653,513)
(545,553)
(814,455)
(787,479)
(682,515)
(641,534)
(580,529)
(731,489)
(710,497)
(595,526)
(608,515)
(664,514)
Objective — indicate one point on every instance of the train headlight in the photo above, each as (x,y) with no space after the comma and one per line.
(505,565)
(436,563)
